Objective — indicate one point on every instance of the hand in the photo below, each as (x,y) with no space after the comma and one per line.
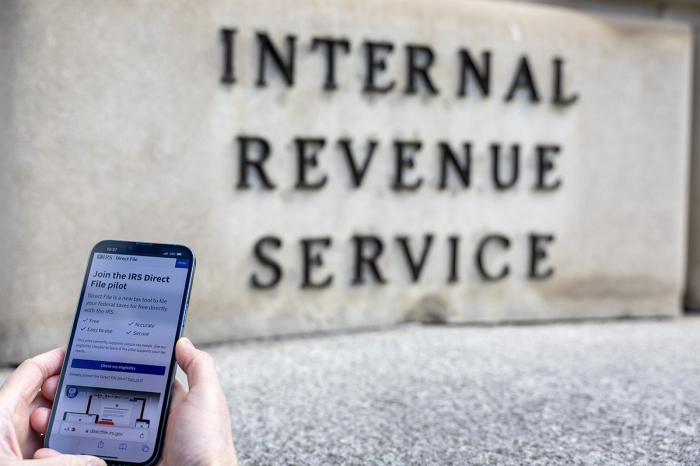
(199,426)
(24,414)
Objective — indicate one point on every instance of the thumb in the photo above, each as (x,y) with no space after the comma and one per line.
(199,366)
(53,458)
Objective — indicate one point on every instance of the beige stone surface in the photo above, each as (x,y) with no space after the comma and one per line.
(687,12)
(116,125)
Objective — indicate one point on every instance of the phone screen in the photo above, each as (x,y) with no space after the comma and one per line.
(114,390)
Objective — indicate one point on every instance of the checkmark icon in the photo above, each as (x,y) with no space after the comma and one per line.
(83,328)
(128,332)
(131,323)
(85,320)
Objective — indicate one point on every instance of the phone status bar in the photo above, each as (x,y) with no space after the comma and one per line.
(144,249)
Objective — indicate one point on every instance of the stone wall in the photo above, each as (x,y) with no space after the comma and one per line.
(675,11)
(155,121)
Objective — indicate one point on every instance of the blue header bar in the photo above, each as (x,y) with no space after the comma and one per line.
(117,367)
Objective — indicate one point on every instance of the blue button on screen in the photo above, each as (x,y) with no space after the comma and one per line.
(117,367)
(182,263)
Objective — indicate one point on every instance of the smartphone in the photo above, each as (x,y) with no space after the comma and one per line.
(115,385)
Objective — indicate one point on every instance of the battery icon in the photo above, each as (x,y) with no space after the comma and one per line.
(179,253)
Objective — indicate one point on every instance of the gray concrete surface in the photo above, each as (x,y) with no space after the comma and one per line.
(593,393)
(613,393)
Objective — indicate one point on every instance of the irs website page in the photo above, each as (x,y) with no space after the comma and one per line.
(113,390)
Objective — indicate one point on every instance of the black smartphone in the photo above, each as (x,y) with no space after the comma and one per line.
(114,390)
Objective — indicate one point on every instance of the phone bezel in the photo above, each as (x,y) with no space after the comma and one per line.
(132,248)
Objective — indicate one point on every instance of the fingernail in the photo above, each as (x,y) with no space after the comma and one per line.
(186,341)
(96,462)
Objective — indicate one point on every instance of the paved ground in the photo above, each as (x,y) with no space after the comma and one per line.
(620,392)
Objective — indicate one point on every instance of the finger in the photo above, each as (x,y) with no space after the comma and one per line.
(48,389)
(198,365)
(39,419)
(39,401)
(45,453)
(26,380)
(48,457)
